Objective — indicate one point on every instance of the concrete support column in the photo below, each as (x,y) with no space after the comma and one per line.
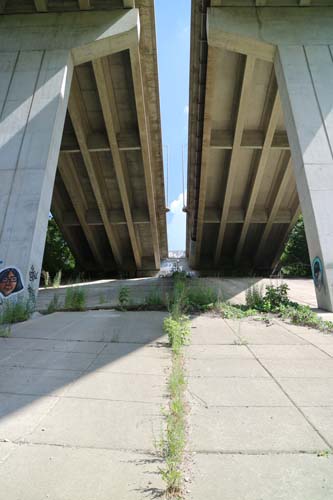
(34,90)
(305,79)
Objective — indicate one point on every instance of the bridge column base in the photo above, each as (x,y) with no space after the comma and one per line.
(33,101)
(305,79)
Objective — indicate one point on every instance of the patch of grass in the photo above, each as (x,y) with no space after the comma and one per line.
(154,299)
(201,298)
(229,311)
(254,297)
(124,298)
(5,331)
(54,305)
(178,331)
(101,299)
(75,299)
(14,312)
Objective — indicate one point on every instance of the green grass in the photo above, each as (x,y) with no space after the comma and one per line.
(14,312)
(75,299)
(54,305)
(154,299)
(124,298)
(5,331)
(173,443)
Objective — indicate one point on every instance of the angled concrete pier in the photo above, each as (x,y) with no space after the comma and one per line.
(260,143)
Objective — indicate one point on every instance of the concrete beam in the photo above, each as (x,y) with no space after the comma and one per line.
(252,139)
(116,217)
(41,5)
(106,95)
(129,4)
(258,32)
(2,5)
(142,113)
(259,174)
(241,115)
(80,124)
(76,193)
(84,4)
(207,130)
(213,216)
(98,142)
(87,37)
(280,189)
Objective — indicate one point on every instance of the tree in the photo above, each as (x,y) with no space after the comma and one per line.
(57,254)
(295,259)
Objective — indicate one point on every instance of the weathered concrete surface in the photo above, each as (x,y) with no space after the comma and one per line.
(80,406)
(261,410)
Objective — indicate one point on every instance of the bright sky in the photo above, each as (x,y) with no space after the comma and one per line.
(173,46)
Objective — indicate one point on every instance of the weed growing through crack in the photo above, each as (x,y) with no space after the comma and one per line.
(173,442)
(124,298)
(75,299)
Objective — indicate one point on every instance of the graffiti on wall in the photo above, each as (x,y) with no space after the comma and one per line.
(11,281)
(317,273)
(33,277)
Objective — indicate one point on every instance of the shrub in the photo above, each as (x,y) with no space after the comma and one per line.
(75,299)
(15,312)
(154,298)
(275,297)
(123,297)
(201,298)
(54,305)
(178,331)
(254,297)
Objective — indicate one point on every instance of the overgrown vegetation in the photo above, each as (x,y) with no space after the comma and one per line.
(176,326)
(154,299)
(54,305)
(75,299)
(57,253)
(295,259)
(124,298)
(15,312)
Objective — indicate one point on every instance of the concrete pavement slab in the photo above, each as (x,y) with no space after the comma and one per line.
(36,381)
(146,365)
(210,330)
(309,391)
(45,326)
(264,477)
(288,352)
(133,350)
(100,424)
(20,414)
(306,368)
(236,392)
(55,360)
(120,387)
(225,367)
(257,332)
(49,472)
(254,430)
(218,352)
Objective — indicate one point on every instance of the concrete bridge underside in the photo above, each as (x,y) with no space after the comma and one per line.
(260,133)
(90,67)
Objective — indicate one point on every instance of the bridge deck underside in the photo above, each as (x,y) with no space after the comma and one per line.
(108,197)
(242,197)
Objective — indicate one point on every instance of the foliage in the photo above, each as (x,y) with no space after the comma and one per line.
(54,305)
(5,331)
(254,297)
(14,312)
(154,298)
(229,311)
(295,258)
(75,299)
(57,254)
(275,297)
(178,331)
(201,298)
(57,279)
(124,297)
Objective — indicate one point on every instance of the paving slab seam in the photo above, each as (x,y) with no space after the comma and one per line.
(141,451)
(259,452)
(287,395)
(284,325)
(31,430)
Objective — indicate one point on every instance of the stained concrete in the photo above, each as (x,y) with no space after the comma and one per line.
(81,406)
(260,419)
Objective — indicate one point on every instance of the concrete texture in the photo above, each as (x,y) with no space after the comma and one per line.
(260,420)
(80,410)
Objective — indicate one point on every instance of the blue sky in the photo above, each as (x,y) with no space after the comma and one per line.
(173,48)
